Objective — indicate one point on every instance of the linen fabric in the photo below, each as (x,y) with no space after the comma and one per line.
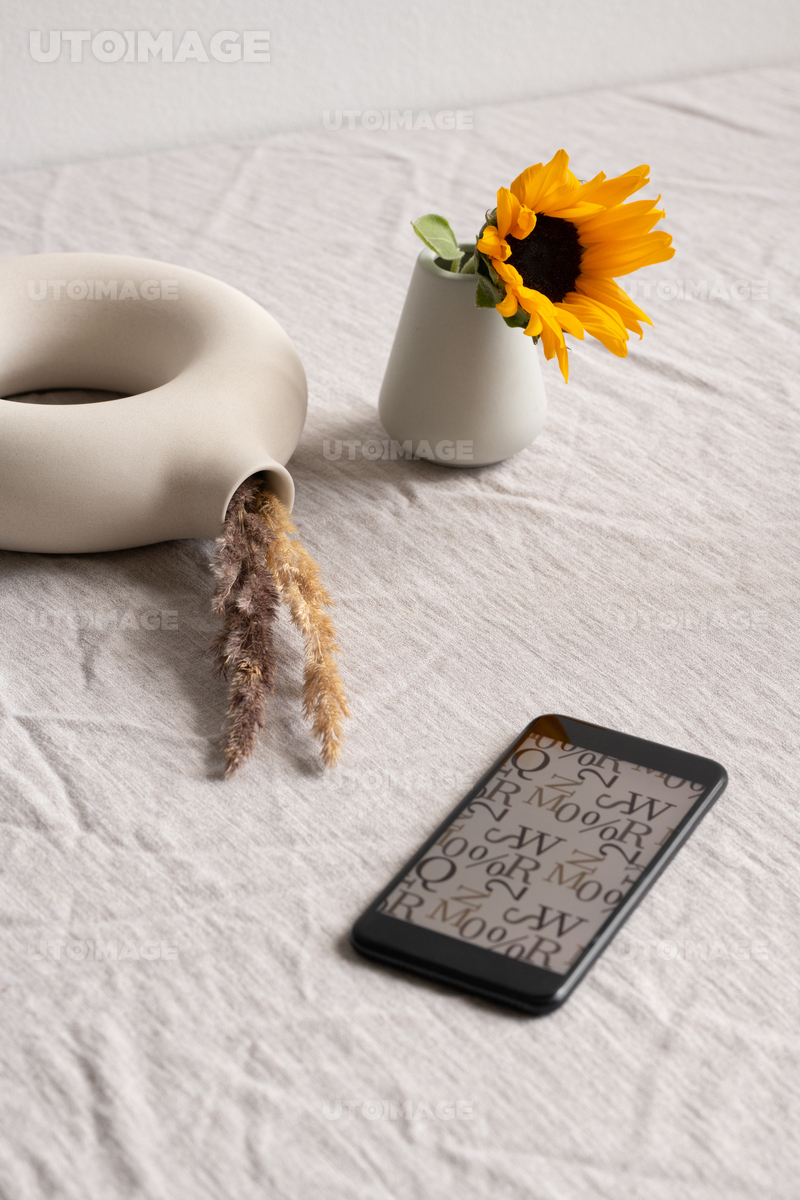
(181,1012)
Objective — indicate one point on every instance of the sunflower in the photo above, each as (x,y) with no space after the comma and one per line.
(554,245)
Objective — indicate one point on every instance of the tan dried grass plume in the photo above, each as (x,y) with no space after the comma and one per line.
(247,600)
(258,563)
(297,578)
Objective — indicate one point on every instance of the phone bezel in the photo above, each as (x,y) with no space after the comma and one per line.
(486,973)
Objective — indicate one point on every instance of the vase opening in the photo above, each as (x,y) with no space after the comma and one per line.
(467,250)
(66,396)
(277,479)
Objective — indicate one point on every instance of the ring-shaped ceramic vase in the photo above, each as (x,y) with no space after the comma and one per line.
(215,392)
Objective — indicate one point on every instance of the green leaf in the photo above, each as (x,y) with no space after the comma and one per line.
(519,320)
(470,266)
(437,235)
(482,267)
(487,271)
(487,295)
(497,293)
(482,299)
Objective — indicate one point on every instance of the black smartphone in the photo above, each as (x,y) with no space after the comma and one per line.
(525,883)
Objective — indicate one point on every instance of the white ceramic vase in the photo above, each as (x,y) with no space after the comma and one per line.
(458,379)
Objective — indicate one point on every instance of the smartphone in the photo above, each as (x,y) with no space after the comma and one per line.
(525,883)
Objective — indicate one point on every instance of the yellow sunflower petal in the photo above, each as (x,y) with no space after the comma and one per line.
(608,217)
(591,184)
(526,221)
(536,183)
(601,322)
(626,250)
(493,244)
(626,255)
(549,338)
(553,344)
(623,227)
(574,200)
(534,326)
(569,320)
(579,205)
(614,269)
(533,301)
(567,194)
(594,314)
(512,217)
(508,207)
(612,295)
(578,212)
(618,348)
(508,274)
(614,191)
(554,180)
(509,306)
(526,183)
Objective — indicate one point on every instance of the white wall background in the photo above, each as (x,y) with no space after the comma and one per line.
(355,54)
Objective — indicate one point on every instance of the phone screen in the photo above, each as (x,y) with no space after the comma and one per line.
(536,863)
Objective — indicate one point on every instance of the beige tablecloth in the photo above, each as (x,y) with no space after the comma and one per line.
(181,1015)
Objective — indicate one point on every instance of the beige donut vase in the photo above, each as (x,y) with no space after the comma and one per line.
(215,390)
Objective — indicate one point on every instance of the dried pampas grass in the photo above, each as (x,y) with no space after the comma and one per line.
(247,600)
(257,564)
(297,578)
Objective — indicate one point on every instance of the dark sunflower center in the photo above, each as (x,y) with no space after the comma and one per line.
(549,258)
